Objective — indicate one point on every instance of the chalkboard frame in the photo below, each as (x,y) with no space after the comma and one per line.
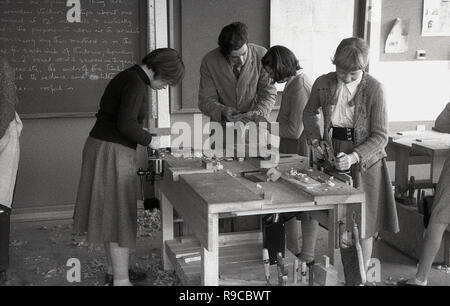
(143,48)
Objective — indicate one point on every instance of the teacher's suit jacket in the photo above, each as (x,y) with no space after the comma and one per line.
(219,87)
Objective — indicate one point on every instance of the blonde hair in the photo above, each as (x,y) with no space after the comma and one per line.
(352,54)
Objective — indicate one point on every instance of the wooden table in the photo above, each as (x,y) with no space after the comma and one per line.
(202,196)
(411,147)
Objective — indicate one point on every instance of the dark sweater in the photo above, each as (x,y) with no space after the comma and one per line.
(123,108)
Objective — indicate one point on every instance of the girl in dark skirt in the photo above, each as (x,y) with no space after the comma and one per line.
(106,206)
(355,126)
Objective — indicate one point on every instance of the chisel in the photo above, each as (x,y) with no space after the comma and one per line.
(266,262)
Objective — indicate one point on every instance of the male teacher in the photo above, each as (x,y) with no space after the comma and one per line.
(233,84)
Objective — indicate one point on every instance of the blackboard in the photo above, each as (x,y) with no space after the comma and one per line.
(63,67)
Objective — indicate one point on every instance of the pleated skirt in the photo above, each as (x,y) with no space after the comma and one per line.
(440,213)
(381,210)
(106,205)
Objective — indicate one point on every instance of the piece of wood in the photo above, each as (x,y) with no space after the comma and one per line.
(323,193)
(207,164)
(187,204)
(447,247)
(166,229)
(325,274)
(192,258)
(175,173)
(210,256)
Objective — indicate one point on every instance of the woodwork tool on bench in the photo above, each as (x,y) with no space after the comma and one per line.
(266,262)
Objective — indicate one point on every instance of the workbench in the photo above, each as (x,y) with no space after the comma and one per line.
(201,196)
(413,147)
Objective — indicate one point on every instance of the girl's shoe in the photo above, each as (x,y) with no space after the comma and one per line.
(109,280)
(3,278)
(411,283)
(134,276)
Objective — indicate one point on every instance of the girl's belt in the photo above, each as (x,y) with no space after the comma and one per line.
(345,134)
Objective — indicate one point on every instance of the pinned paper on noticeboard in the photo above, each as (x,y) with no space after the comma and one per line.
(436,18)
(397,40)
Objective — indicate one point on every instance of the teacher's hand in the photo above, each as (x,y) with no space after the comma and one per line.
(231,114)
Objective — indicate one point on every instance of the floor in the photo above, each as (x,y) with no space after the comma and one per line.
(40,250)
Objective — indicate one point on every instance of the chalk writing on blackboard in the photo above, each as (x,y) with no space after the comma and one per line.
(65,52)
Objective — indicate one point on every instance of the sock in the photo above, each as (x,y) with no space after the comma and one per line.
(122,282)
(420,283)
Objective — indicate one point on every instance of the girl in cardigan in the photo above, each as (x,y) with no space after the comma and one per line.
(355,125)
(10,129)
(282,66)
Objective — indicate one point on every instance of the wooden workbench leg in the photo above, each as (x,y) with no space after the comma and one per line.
(447,249)
(333,235)
(362,220)
(401,171)
(166,229)
(210,258)
(437,164)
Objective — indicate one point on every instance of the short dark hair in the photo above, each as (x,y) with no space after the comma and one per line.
(166,63)
(352,54)
(232,37)
(282,61)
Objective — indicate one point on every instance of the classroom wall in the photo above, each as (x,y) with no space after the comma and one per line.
(50,161)
(417,90)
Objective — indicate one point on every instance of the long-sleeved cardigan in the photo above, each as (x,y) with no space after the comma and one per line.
(371,137)
(219,87)
(290,117)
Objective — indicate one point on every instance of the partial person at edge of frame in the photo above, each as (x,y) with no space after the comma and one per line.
(356,126)
(283,66)
(106,206)
(10,130)
(440,214)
